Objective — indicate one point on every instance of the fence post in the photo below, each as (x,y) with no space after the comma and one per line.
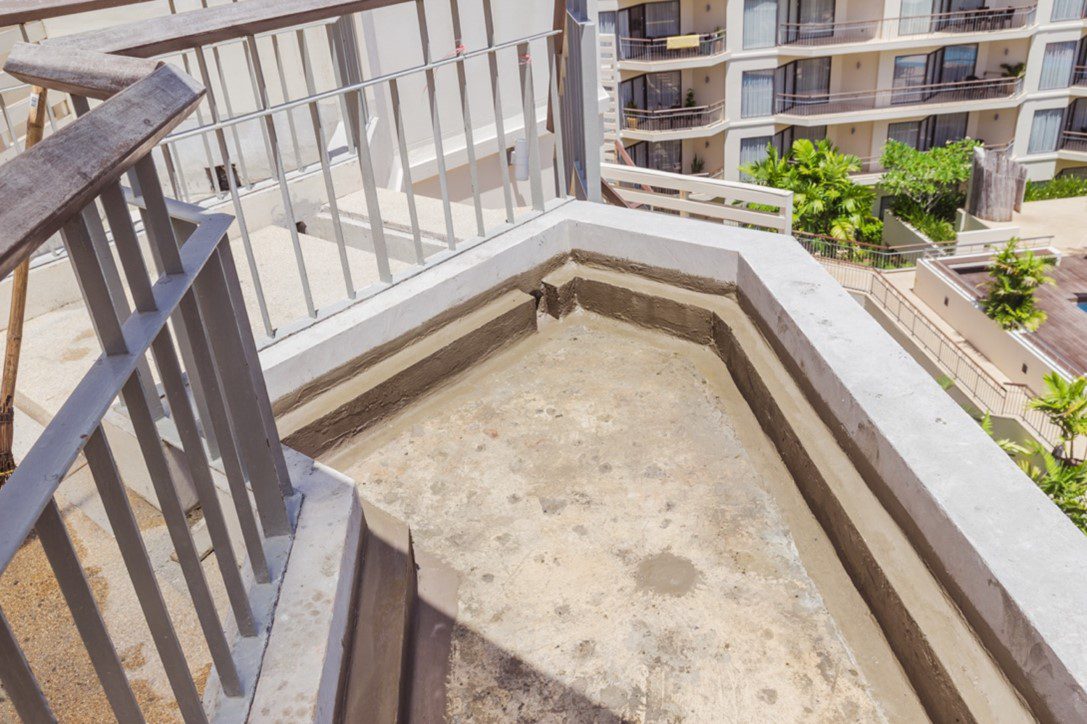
(584,134)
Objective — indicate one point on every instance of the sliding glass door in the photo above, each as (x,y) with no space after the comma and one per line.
(803,83)
(652,91)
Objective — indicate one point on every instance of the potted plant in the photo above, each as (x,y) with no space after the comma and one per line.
(697,165)
(689,101)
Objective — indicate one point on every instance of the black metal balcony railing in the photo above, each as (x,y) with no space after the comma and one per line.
(1079,75)
(811,104)
(673,119)
(653,49)
(1074,141)
(962,21)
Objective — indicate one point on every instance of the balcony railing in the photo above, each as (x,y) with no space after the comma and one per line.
(1074,141)
(982,20)
(673,48)
(813,104)
(1079,75)
(673,119)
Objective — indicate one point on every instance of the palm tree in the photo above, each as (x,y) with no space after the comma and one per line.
(1065,405)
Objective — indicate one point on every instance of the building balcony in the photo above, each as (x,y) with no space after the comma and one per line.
(678,47)
(818,104)
(665,120)
(1075,141)
(1079,76)
(982,20)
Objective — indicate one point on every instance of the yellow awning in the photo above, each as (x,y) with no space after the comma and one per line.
(679,42)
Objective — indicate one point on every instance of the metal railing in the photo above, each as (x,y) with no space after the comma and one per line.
(981,20)
(812,104)
(673,119)
(286,140)
(207,351)
(1074,141)
(701,197)
(654,49)
(1079,75)
(1003,399)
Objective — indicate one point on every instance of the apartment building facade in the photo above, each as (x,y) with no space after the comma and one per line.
(705,86)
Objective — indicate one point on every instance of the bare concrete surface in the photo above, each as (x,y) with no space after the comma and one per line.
(621,555)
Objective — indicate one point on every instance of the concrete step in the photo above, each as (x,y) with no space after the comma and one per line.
(395,214)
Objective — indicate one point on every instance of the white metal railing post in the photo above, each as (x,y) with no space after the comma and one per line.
(584,132)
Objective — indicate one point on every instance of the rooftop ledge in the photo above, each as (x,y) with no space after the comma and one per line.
(1009,559)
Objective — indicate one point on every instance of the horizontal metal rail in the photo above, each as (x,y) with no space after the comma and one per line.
(811,104)
(1074,141)
(655,49)
(982,20)
(673,119)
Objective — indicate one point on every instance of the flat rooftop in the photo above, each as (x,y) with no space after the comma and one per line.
(1064,333)
(630,545)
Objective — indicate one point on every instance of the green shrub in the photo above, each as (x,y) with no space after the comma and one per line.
(1009,293)
(936,229)
(1062,187)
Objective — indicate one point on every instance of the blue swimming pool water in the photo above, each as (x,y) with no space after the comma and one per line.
(1082,305)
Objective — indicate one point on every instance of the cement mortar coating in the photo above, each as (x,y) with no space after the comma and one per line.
(621,556)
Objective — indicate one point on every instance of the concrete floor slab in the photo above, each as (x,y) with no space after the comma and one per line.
(620,552)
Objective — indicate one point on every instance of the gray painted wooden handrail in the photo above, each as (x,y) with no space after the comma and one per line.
(14,12)
(50,183)
(79,72)
(148,38)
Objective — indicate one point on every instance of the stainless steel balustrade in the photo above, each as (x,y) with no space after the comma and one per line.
(673,119)
(813,104)
(655,49)
(215,141)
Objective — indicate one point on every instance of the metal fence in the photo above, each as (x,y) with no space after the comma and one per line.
(655,49)
(1003,399)
(979,20)
(209,352)
(673,119)
(818,103)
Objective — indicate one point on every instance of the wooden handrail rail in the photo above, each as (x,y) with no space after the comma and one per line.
(205,26)
(50,183)
(16,12)
(79,72)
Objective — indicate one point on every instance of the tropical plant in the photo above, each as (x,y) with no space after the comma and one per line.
(1065,405)
(1013,70)
(1064,481)
(1061,187)
(1009,294)
(927,184)
(1011,447)
(697,164)
(689,101)
(825,199)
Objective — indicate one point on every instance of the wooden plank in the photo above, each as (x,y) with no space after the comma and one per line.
(149,38)
(51,182)
(14,12)
(79,72)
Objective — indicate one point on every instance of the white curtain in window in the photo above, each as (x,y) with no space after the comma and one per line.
(907,132)
(667,156)
(949,127)
(1057,65)
(915,17)
(753,150)
(662,90)
(760,23)
(1067,10)
(662,19)
(757,93)
(1045,130)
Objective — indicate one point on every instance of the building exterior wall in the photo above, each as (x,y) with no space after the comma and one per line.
(866,67)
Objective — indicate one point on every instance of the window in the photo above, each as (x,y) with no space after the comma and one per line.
(606,21)
(784,139)
(1057,65)
(662,19)
(651,91)
(1067,10)
(915,17)
(946,128)
(664,156)
(757,93)
(907,132)
(753,150)
(1045,130)
(760,23)
(802,82)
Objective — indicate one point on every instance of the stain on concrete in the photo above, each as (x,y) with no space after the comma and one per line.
(667,574)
